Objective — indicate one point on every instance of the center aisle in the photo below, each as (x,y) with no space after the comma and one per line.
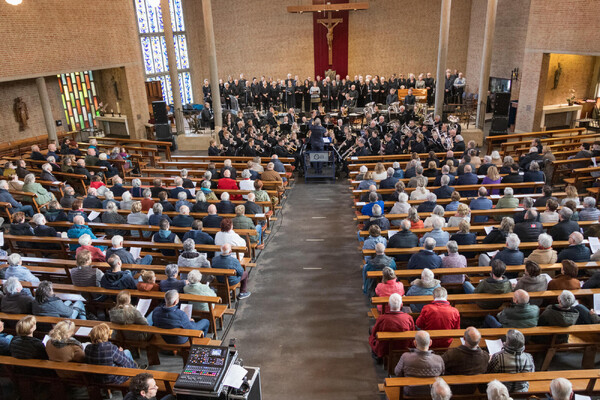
(307,329)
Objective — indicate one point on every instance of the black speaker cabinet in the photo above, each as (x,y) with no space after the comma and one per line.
(501,103)
(159,109)
(499,126)
(163,132)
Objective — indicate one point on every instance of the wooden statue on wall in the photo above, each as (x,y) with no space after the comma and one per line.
(21,113)
(557,76)
(115,87)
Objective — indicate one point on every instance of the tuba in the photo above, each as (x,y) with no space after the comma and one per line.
(429,120)
(370,108)
(453,119)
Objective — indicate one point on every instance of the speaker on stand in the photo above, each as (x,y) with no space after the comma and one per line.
(159,109)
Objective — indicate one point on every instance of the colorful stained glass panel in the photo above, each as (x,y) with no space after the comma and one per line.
(79,99)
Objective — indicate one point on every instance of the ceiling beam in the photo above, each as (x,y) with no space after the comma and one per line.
(328,7)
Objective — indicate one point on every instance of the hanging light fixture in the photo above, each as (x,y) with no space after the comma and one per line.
(14,2)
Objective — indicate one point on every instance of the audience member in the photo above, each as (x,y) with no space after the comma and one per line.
(15,299)
(497,283)
(576,251)
(565,227)
(466,359)
(102,352)
(453,260)
(567,280)
(422,287)
(226,260)
(24,345)
(393,321)
(195,286)
(376,263)
(512,360)
(389,285)
(438,315)
(403,239)
(519,314)
(481,203)
(544,254)
(426,257)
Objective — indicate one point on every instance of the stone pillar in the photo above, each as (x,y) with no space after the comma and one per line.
(212,63)
(486,61)
(172,60)
(46,108)
(532,91)
(442,55)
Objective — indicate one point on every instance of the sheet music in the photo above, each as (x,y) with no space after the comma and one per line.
(488,229)
(135,252)
(186,308)
(492,253)
(547,277)
(235,376)
(597,303)
(493,346)
(193,191)
(69,296)
(361,203)
(581,397)
(143,305)
(594,161)
(259,215)
(1,238)
(83,331)
(46,338)
(594,244)
(93,215)
(391,233)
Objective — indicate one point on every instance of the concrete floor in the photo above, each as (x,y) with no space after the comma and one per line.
(307,329)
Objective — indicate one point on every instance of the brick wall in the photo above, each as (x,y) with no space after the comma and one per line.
(43,38)
(401,36)
(555,26)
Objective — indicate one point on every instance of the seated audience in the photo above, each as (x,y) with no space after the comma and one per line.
(567,280)
(481,203)
(561,389)
(137,217)
(21,228)
(197,234)
(115,278)
(147,201)
(17,270)
(466,359)
(201,205)
(102,352)
(243,222)
(544,254)
(453,260)
(55,213)
(164,202)
(550,216)
(178,182)
(393,321)
(462,214)
(92,200)
(190,257)
(109,197)
(400,207)
(576,251)
(226,183)
(112,216)
(367,209)
(78,229)
(415,220)
(157,215)
(376,263)
(123,313)
(42,230)
(24,345)
(519,314)
(15,206)
(499,235)
(182,201)
(77,210)
(440,236)
(512,360)
(437,213)
(419,362)
(228,235)
(439,315)
(125,256)
(85,243)
(172,283)
(428,205)
(565,227)
(401,240)
(422,287)
(389,285)
(148,282)
(497,283)
(562,314)
(571,194)
(226,260)
(377,218)
(420,192)
(589,212)
(63,347)
(532,280)
(48,305)
(164,235)
(212,220)
(126,201)
(444,191)
(530,229)
(453,205)
(169,316)
(426,257)
(84,274)
(497,391)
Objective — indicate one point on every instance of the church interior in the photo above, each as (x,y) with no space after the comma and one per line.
(349,199)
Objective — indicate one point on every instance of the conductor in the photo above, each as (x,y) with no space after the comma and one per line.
(316,139)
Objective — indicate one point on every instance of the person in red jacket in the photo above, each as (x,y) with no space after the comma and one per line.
(393,321)
(439,314)
(229,184)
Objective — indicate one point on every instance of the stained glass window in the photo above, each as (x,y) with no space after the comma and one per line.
(154,48)
(78,94)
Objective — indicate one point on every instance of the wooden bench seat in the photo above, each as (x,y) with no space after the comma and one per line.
(492,141)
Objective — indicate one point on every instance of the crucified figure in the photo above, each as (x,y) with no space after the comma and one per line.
(330,23)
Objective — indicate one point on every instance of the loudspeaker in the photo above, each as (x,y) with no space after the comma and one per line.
(159,109)
(499,126)
(501,104)
(163,132)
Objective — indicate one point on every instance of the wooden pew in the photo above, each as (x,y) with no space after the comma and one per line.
(584,381)
(399,157)
(239,159)
(161,146)
(550,140)
(492,141)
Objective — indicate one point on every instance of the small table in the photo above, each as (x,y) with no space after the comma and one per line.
(114,125)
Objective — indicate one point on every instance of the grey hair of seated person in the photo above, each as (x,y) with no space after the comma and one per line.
(157,208)
(182,196)
(379,249)
(534,166)
(12,285)
(427,275)
(184,210)
(108,195)
(194,276)
(440,390)
(487,159)
(117,241)
(189,245)
(14,259)
(136,182)
(171,297)
(497,391)
(183,173)
(373,197)
(39,219)
(405,224)
(508,191)
(395,302)
(246,174)
(147,193)
(390,172)
(402,197)
(528,202)
(429,243)
(512,241)
(468,169)
(545,240)
(439,211)
(69,190)
(376,210)
(419,170)
(565,213)
(388,274)
(126,196)
(171,270)
(422,340)
(576,237)
(566,299)
(514,339)
(178,181)
(395,165)
(531,214)
(561,389)
(437,223)
(363,169)
(85,240)
(432,197)
(111,207)
(207,176)
(251,196)
(521,296)
(452,246)
(224,196)
(440,293)
(445,179)
(482,191)
(589,202)
(472,337)
(200,197)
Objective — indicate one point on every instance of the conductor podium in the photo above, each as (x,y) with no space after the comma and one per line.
(320,164)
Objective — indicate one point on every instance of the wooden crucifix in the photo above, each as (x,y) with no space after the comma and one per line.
(330,23)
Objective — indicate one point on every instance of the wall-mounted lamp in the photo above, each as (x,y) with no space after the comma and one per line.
(14,2)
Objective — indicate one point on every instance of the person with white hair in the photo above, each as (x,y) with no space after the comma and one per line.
(565,226)
(438,315)
(563,314)
(178,182)
(250,205)
(393,321)
(497,391)
(590,212)
(398,172)
(376,263)
(512,360)
(227,165)
(466,359)
(15,299)
(544,254)
(367,209)
(169,316)
(42,195)
(483,168)
(47,174)
(390,181)
(429,204)
(437,213)
(43,230)
(126,201)
(246,183)
(508,200)
(362,171)
(69,197)
(92,200)
(187,182)
(421,192)
(196,287)
(227,183)
(400,207)
(420,362)
(124,255)
(103,162)
(112,216)
(109,197)
(440,390)
(182,201)
(532,156)
(509,255)
(117,187)
(378,219)
(440,236)
(183,220)
(225,259)
(225,206)
(404,238)
(444,191)
(422,287)
(16,269)
(77,229)
(85,243)
(577,251)
(426,257)
(561,389)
